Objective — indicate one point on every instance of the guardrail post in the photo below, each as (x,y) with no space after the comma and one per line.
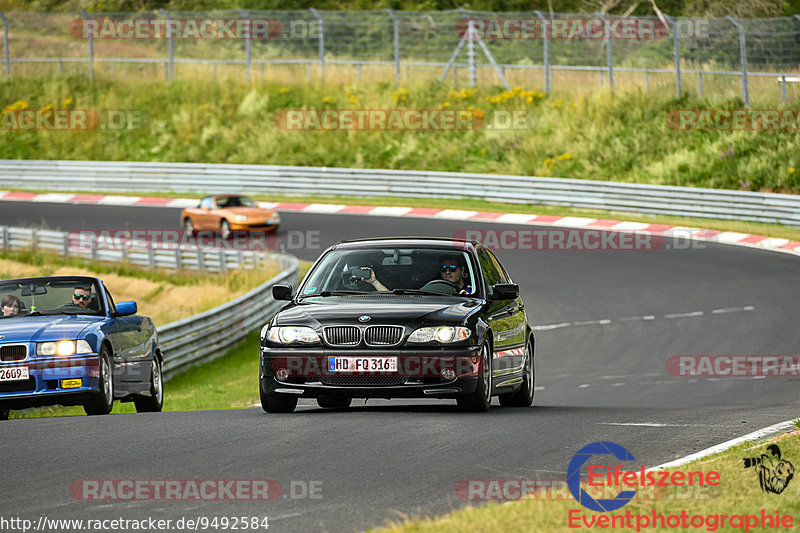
(783,89)
(609,52)
(676,52)
(178,259)
(6,58)
(151,256)
(170,48)
(396,29)
(248,56)
(700,83)
(6,244)
(90,35)
(546,53)
(223,265)
(743,54)
(201,260)
(34,240)
(321,43)
(65,244)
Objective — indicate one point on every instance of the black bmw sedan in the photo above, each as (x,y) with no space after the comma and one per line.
(399,318)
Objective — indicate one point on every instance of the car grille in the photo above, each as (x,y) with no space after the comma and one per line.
(13,352)
(28,385)
(376,380)
(342,335)
(383,335)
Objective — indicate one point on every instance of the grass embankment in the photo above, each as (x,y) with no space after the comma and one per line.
(227,382)
(624,138)
(738,493)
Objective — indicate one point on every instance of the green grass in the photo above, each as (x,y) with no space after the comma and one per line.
(622,138)
(738,492)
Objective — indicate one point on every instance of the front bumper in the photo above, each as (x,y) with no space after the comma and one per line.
(44,386)
(419,373)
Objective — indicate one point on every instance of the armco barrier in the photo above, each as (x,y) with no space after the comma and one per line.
(103,176)
(199,338)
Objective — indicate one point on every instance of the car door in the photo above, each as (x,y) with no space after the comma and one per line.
(505,318)
(132,355)
(205,214)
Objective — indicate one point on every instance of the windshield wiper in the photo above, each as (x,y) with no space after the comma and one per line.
(419,291)
(335,293)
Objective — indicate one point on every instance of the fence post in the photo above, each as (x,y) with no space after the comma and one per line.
(170,47)
(609,52)
(90,35)
(700,83)
(6,244)
(396,25)
(743,54)
(5,45)
(546,54)
(321,43)
(783,89)
(248,56)
(676,53)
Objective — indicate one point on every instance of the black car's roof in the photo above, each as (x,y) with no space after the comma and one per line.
(407,242)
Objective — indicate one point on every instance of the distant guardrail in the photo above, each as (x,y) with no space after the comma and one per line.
(102,176)
(195,339)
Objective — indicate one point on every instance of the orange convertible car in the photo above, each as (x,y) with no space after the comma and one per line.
(227,213)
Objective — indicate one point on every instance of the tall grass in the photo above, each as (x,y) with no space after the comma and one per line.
(623,137)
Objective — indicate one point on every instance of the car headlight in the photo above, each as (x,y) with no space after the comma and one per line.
(240,218)
(442,334)
(63,348)
(292,335)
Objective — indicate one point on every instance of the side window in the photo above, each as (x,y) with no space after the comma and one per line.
(500,270)
(111,307)
(490,272)
(207,202)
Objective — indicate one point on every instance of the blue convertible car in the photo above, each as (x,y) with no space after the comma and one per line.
(64,341)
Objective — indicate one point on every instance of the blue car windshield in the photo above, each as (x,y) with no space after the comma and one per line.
(421,271)
(49,296)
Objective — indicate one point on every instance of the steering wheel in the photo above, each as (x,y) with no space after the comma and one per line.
(71,307)
(441,285)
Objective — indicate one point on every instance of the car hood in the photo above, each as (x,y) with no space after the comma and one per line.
(45,328)
(250,212)
(388,309)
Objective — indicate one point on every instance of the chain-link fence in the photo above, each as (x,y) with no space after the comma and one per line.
(532,49)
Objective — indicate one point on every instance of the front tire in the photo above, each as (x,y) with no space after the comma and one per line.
(154,402)
(480,400)
(103,400)
(523,397)
(188,226)
(276,403)
(225,229)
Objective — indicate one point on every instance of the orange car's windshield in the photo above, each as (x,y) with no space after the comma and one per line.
(235,201)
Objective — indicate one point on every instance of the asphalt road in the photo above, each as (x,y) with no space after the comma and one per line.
(617,317)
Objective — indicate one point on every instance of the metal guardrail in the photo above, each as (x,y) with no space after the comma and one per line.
(200,178)
(196,339)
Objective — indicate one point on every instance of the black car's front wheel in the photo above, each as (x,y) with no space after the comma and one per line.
(276,403)
(102,401)
(523,397)
(481,399)
(154,402)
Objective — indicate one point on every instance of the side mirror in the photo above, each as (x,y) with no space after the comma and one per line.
(282,292)
(127,308)
(505,291)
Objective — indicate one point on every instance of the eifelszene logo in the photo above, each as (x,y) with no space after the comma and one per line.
(774,473)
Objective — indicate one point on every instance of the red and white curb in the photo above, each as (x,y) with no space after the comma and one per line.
(725,237)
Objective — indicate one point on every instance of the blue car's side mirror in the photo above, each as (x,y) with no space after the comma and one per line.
(127,308)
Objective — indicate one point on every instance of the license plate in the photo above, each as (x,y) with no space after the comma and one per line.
(14,373)
(362,364)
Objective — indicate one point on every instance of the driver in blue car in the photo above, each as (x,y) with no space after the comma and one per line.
(82,297)
(452,268)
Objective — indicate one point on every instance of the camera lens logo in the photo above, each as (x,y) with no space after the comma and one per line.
(774,473)
(574,476)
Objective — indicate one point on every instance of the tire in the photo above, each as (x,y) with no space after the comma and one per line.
(4,414)
(154,402)
(523,397)
(480,400)
(225,229)
(103,400)
(334,402)
(276,403)
(188,226)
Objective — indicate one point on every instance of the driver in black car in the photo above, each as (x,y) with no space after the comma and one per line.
(452,268)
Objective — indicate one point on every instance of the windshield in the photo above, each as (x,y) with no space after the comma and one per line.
(417,270)
(62,296)
(235,201)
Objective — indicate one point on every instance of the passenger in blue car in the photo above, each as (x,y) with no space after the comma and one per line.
(10,306)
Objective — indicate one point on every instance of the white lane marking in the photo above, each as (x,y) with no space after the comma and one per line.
(577,222)
(618,384)
(642,424)
(323,208)
(538,388)
(732,309)
(119,200)
(583,386)
(182,202)
(756,435)
(772,242)
(387,211)
(455,214)
(630,226)
(551,326)
(601,322)
(267,205)
(684,315)
(515,218)
(55,197)
(731,236)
